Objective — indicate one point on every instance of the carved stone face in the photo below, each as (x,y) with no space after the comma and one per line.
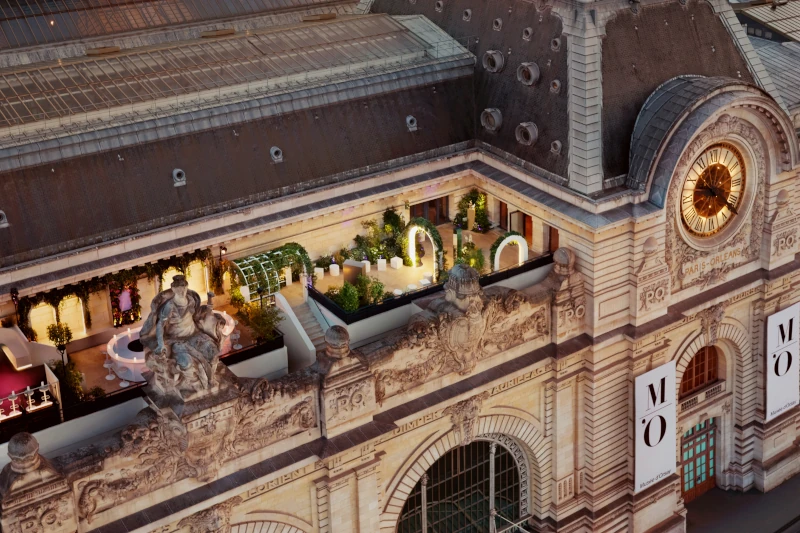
(180,291)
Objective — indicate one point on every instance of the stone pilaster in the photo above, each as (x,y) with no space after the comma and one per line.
(34,496)
(348,390)
(367,486)
(569,300)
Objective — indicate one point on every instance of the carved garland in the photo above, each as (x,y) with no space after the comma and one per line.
(679,252)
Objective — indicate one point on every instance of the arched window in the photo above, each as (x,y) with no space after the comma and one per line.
(457,495)
(703,370)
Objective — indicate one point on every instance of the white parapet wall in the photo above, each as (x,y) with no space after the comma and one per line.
(299,346)
(65,437)
(270,365)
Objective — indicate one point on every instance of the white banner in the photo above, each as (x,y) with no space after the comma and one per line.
(655,426)
(783,376)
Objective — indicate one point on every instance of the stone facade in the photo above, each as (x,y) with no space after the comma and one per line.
(544,370)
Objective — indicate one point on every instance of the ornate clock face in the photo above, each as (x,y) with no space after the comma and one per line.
(712,190)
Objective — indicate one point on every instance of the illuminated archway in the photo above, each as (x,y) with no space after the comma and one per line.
(508,238)
(414,226)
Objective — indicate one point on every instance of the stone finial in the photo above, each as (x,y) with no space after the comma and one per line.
(23,450)
(463,280)
(564,260)
(337,340)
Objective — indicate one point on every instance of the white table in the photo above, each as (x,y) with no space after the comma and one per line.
(424,282)
(367,266)
(334,271)
(396,262)
(319,272)
(381,265)
(428,276)
(411,287)
(397,292)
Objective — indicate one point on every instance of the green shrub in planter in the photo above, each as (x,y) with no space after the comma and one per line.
(348,298)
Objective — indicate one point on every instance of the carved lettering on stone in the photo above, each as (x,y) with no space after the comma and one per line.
(653,294)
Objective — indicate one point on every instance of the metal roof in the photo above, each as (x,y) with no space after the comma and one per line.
(69,87)
(782,61)
(784,19)
(36,22)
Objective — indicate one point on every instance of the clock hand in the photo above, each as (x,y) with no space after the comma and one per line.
(719,193)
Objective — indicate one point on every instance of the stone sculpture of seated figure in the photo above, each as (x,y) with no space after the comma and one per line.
(182,340)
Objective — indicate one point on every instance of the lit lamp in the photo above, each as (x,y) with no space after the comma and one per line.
(222,250)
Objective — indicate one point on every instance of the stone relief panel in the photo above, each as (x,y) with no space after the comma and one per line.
(456,331)
(689,266)
(159,448)
(216,519)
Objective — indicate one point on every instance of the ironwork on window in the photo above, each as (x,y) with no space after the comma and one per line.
(702,371)
(458,493)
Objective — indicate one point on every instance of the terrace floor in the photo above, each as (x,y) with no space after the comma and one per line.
(404,276)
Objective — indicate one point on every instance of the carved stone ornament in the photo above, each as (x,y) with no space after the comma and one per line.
(200,415)
(35,496)
(217,519)
(653,294)
(679,253)
(710,320)
(463,416)
(455,332)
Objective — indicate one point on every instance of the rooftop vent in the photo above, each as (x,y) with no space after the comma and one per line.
(493,61)
(178,177)
(527,133)
(3,220)
(276,154)
(467,16)
(217,33)
(528,73)
(491,119)
(527,33)
(555,147)
(319,16)
(411,123)
(103,50)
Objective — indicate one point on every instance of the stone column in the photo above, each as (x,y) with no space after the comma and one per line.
(34,496)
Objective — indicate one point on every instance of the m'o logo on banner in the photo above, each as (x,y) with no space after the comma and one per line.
(654,394)
(782,368)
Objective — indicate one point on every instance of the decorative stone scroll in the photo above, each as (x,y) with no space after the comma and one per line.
(456,331)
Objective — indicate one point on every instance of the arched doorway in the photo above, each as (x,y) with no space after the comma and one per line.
(458,492)
(698,445)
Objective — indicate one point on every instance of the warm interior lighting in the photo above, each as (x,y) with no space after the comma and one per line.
(24,367)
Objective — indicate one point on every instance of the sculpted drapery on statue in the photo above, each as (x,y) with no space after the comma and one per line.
(182,339)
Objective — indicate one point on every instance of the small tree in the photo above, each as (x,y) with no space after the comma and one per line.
(262,321)
(60,335)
